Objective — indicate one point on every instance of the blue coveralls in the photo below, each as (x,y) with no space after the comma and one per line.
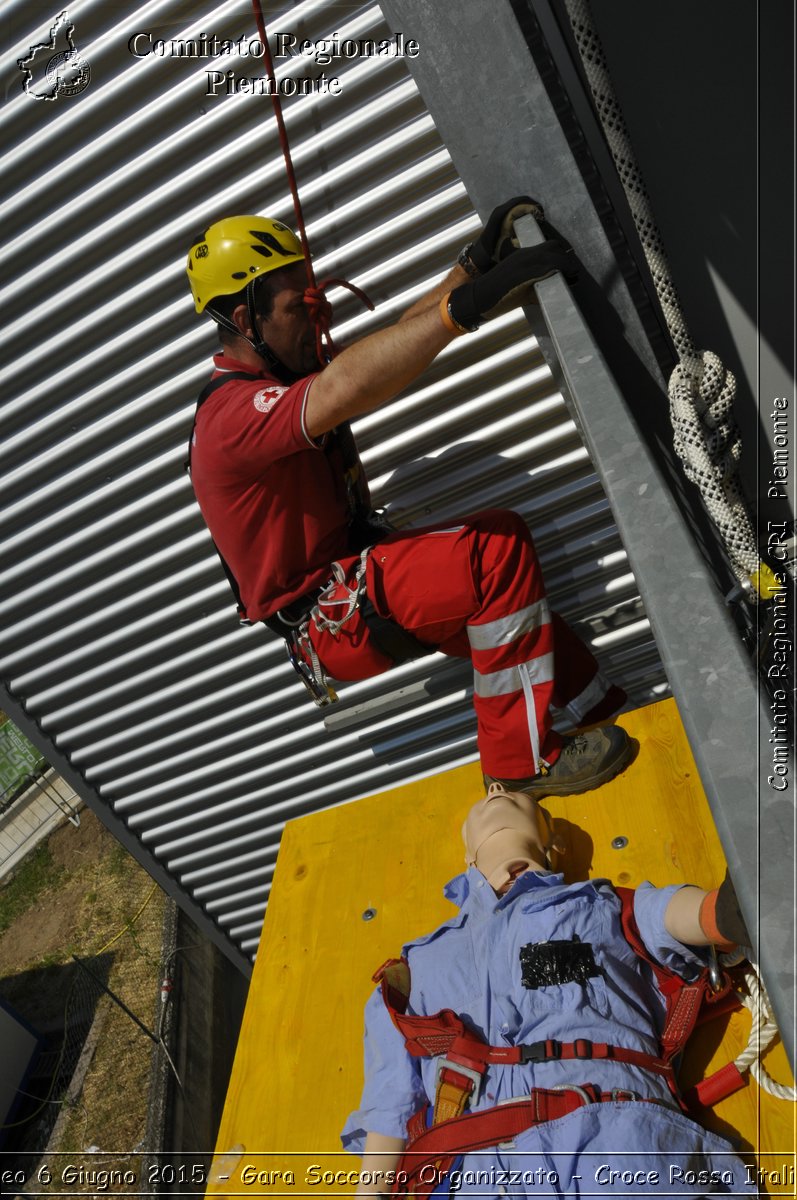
(472,964)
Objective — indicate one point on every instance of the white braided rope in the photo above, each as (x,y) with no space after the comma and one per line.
(701,391)
(763,1031)
(706,439)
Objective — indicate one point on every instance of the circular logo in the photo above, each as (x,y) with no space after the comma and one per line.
(69,72)
(266,398)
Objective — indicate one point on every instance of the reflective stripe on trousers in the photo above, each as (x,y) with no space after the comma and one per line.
(475,591)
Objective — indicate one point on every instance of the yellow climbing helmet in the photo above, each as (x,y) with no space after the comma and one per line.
(235,250)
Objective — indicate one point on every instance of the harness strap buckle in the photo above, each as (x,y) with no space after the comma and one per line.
(586,1091)
(583,1048)
(461,1095)
(314,680)
(535,1052)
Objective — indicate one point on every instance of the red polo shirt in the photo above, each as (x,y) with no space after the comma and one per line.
(273,499)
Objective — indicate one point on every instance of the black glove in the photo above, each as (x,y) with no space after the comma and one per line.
(510,284)
(728,916)
(497,238)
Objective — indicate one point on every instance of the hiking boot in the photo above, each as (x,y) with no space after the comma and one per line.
(586,761)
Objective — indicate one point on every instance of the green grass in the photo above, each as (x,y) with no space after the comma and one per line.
(54,958)
(36,874)
(118,860)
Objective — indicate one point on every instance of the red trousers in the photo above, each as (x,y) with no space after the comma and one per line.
(475,590)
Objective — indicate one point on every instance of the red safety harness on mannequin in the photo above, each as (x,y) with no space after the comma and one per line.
(464,1057)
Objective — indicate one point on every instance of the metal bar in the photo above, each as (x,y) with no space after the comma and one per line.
(49,791)
(710,673)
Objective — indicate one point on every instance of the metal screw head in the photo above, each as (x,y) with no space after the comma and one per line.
(619,842)
(369,914)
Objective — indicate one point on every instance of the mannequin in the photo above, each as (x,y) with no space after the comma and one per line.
(531,958)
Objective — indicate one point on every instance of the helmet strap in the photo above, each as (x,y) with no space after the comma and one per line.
(261,348)
(256,342)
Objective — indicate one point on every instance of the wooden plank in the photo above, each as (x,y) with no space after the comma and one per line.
(355,882)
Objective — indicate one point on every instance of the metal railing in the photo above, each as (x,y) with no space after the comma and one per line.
(27,805)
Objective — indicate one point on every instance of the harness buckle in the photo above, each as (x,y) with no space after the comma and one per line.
(535,1052)
(579,1089)
(474,1076)
(582,1091)
(623,1094)
(320,690)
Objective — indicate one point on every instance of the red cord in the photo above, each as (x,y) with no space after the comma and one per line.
(317,303)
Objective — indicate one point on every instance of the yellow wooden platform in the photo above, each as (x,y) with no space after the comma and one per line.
(354,883)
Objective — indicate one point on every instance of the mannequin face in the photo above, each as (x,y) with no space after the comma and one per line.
(506,834)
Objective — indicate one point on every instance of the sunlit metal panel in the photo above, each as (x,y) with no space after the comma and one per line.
(120,648)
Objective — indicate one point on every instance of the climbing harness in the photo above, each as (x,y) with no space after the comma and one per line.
(292,622)
(701,390)
(335,605)
(686,1006)
(438,1133)
(432,1152)
(337,597)
(206,392)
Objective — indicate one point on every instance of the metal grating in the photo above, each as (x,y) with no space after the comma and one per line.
(120,647)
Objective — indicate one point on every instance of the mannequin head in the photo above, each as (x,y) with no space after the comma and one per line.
(506,834)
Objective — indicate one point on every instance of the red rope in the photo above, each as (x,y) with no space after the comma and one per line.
(319,307)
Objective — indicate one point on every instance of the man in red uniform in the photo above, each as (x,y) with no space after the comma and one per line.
(281,489)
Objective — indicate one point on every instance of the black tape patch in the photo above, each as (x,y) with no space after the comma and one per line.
(548,964)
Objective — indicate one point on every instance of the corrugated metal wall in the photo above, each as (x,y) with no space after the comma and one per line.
(119,637)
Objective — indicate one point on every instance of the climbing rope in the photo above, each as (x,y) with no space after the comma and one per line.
(763,1029)
(701,389)
(314,296)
